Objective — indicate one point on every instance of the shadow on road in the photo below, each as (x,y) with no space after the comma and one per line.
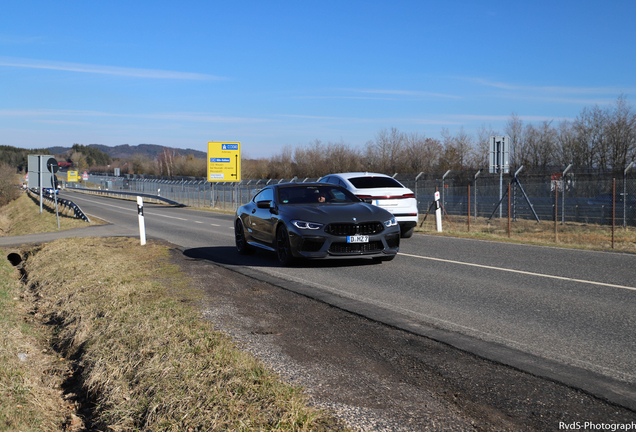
(228,255)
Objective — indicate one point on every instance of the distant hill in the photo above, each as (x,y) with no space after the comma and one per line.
(125,151)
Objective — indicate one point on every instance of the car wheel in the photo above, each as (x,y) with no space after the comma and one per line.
(283,247)
(407,232)
(239,236)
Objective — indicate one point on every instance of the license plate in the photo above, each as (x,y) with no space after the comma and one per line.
(358,239)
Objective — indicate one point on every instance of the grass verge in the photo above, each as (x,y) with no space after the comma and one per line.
(569,235)
(22,216)
(30,375)
(141,357)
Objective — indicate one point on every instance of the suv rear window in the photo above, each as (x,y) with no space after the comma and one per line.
(374,182)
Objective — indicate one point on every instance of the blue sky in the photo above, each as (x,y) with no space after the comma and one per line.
(276,73)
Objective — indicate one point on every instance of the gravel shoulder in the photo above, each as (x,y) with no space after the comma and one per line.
(378,378)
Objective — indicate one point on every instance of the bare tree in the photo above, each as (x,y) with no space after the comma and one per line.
(422,154)
(384,153)
(545,145)
(591,130)
(566,149)
(341,158)
(514,129)
(8,184)
(481,150)
(621,134)
(281,165)
(457,150)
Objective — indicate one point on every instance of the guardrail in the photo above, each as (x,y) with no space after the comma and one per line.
(68,205)
(136,194)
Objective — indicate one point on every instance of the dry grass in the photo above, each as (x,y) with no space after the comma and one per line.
(571,235)
(148,361)
(30,379)
(22,216)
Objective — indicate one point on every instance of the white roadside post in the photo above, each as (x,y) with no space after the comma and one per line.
(438,213)
(142,226)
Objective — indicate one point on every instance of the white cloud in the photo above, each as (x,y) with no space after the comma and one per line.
(105,70)
(186,116)
(562,90)
(411,93)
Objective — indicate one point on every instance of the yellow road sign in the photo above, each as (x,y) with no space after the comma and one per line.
(224,161)
(72,176)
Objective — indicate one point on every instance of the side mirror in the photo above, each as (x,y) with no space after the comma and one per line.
(263,204)
(367,200)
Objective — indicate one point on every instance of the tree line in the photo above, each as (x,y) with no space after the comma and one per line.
(599,140)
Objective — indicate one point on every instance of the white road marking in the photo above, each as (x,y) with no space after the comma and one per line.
(110,205)
(521,272)
(169,217)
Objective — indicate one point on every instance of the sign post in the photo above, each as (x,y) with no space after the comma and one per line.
(224,161)
(53,167)
(499,160)
(41,169)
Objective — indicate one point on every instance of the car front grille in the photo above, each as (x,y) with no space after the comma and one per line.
(356,248)
(312,245)
(346,229)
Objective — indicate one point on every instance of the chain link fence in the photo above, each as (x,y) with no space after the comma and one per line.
(578,198)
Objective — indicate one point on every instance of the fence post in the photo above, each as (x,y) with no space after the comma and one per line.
(444,189)
(563,197)
(468,208)
(556,210)
(416,197)
(613,209)
(476,174)
(625,194)
(509,199)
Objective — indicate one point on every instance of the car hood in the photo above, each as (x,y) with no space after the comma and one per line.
(328,213)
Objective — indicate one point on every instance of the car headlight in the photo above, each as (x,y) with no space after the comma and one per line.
(306,225)
(391,222)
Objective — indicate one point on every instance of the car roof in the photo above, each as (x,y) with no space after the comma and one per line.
(294,184)
(359,174)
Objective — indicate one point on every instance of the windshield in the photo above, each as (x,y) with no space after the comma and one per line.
(374,182)
(326,194)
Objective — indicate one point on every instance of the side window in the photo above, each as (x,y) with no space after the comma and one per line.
(264,195)
(333,180)
(324,180)
(339,195)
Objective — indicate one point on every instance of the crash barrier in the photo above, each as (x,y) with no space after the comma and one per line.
(584,199)
(68,206)
(118,193)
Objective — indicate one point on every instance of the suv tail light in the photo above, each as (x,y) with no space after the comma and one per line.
(411,195)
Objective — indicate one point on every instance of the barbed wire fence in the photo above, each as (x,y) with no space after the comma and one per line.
(580,197)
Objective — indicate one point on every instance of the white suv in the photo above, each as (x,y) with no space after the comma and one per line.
(383,191)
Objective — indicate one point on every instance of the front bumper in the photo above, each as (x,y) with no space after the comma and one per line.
(325,246)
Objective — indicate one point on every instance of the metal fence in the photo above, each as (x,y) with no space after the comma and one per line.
(586,199)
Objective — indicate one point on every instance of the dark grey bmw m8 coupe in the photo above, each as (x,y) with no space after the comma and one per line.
(315,221)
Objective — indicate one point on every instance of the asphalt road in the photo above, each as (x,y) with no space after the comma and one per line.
(561,313)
